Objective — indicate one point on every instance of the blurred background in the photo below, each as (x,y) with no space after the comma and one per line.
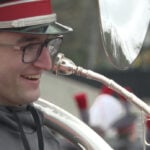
(84,47)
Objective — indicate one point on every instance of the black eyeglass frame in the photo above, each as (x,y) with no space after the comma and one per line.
(41,46)
(57,40)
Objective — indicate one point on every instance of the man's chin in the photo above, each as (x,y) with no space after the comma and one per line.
(34,98)
(31,98)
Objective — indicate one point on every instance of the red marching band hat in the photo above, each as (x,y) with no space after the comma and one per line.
(30,16)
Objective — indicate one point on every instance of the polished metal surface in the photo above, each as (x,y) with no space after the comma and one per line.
(65,66)
(124,24)
(71,127)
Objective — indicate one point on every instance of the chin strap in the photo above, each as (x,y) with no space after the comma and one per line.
(38,126)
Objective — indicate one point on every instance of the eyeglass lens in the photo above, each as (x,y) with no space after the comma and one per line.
(32,51)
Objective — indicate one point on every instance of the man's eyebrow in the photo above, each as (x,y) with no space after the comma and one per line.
(27,39)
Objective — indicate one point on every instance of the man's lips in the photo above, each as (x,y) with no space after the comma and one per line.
(31,77)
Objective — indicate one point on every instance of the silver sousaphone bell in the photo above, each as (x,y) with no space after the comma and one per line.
(124,24)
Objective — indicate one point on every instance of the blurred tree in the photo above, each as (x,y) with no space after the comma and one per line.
(84,45)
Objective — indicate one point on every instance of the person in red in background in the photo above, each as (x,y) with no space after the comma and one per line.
(82,105)
(147,124)
(90,118)
(111,110)
(127,138)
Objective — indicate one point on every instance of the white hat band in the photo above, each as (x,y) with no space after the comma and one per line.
(30,21)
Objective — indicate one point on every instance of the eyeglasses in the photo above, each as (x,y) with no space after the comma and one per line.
(32,51)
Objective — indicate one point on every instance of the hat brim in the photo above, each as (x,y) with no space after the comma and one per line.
(52,28)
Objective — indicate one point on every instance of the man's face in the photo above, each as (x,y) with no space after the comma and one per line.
(19,82)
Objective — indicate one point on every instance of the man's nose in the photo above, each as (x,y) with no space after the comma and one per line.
(44,61)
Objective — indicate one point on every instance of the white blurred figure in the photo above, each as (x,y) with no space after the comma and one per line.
(105,110)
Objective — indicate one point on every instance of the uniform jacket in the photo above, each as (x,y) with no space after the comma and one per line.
(22,128)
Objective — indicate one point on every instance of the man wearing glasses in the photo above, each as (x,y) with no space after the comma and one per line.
(29,39)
